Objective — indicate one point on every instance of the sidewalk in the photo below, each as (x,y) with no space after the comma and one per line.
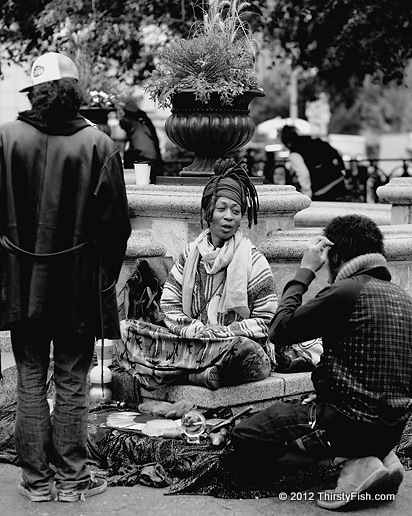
(140,500)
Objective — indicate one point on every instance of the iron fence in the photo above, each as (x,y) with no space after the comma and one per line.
(363,176)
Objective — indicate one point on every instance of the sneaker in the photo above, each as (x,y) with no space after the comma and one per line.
(357,476)
(32,496)
(396,472)
(96,486)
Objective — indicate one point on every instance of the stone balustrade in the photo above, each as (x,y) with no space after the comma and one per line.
(318,214)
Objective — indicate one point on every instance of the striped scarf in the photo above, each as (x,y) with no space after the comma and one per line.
(236,255)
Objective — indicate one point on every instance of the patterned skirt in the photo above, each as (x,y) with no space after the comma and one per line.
(158,357)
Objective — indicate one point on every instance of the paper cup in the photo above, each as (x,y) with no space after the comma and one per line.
(107,351)
(142,173)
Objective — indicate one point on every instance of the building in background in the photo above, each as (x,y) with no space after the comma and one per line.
(11,101)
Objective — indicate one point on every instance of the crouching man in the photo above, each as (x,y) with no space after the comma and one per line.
(363,381)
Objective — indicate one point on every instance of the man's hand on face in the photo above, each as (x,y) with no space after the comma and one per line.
(315,253)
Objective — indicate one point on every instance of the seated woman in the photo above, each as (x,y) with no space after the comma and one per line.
(218,300)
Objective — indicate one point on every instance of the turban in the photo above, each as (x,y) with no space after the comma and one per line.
(231,180)
(226,187)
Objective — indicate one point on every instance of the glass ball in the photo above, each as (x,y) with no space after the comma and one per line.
(193,425)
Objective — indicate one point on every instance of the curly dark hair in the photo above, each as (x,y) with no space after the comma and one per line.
(352,236)
(228,168)
(56,99)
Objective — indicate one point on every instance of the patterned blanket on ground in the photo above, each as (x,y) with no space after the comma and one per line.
(127,458)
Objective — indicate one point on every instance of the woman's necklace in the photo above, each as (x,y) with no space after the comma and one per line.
(220,284)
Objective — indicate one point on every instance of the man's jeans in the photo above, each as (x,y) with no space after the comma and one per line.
(61,440)
(314,431)
(282,430)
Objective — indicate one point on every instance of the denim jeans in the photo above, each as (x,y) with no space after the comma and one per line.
(294,432)
(60,440)
(278,431)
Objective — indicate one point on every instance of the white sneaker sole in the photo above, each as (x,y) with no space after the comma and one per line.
(377,477)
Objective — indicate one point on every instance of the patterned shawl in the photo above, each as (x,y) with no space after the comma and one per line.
(236,255)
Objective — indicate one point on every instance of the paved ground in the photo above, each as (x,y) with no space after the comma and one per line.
(139,500)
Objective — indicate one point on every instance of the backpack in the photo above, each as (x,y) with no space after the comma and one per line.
(141,287)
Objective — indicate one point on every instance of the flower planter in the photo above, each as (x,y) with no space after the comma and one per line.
(98,116)
(209,130)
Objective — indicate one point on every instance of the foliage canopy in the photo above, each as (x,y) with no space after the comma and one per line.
(345,40)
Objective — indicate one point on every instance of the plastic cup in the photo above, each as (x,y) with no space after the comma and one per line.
(142,173)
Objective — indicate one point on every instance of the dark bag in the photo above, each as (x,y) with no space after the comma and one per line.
(145,288)
(144,294)
(300,357)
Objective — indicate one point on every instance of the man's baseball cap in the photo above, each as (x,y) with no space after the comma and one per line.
(51,67)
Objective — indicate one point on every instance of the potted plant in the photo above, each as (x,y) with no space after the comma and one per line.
(208,81)
(100,90)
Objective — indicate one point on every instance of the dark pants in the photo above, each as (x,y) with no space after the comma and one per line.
(62,440)
(309,432)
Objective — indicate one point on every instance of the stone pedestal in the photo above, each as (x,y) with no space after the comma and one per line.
(398,192)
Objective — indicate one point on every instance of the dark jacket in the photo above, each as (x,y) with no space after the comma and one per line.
(365,322)
(143,142)
(61,185)
(325,165)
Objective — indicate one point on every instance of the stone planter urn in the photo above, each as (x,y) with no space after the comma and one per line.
(99,117)
(209,130)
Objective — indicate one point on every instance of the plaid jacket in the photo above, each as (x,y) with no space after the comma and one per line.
(365,322)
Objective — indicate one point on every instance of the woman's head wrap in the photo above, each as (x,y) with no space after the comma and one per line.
(230,180)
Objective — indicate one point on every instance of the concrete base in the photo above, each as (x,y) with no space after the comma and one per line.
(278,387)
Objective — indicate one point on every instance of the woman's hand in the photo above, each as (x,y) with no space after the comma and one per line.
(212,330)
(316,253)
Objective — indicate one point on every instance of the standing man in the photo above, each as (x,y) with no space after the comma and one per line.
(317,166)
(64,227)
(363,380)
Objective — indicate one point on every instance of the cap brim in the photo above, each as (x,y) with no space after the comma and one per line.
(27,88)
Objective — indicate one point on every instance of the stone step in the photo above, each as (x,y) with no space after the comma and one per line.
(278,387)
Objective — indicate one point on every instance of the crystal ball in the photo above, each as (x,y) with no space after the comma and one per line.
(193,424)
